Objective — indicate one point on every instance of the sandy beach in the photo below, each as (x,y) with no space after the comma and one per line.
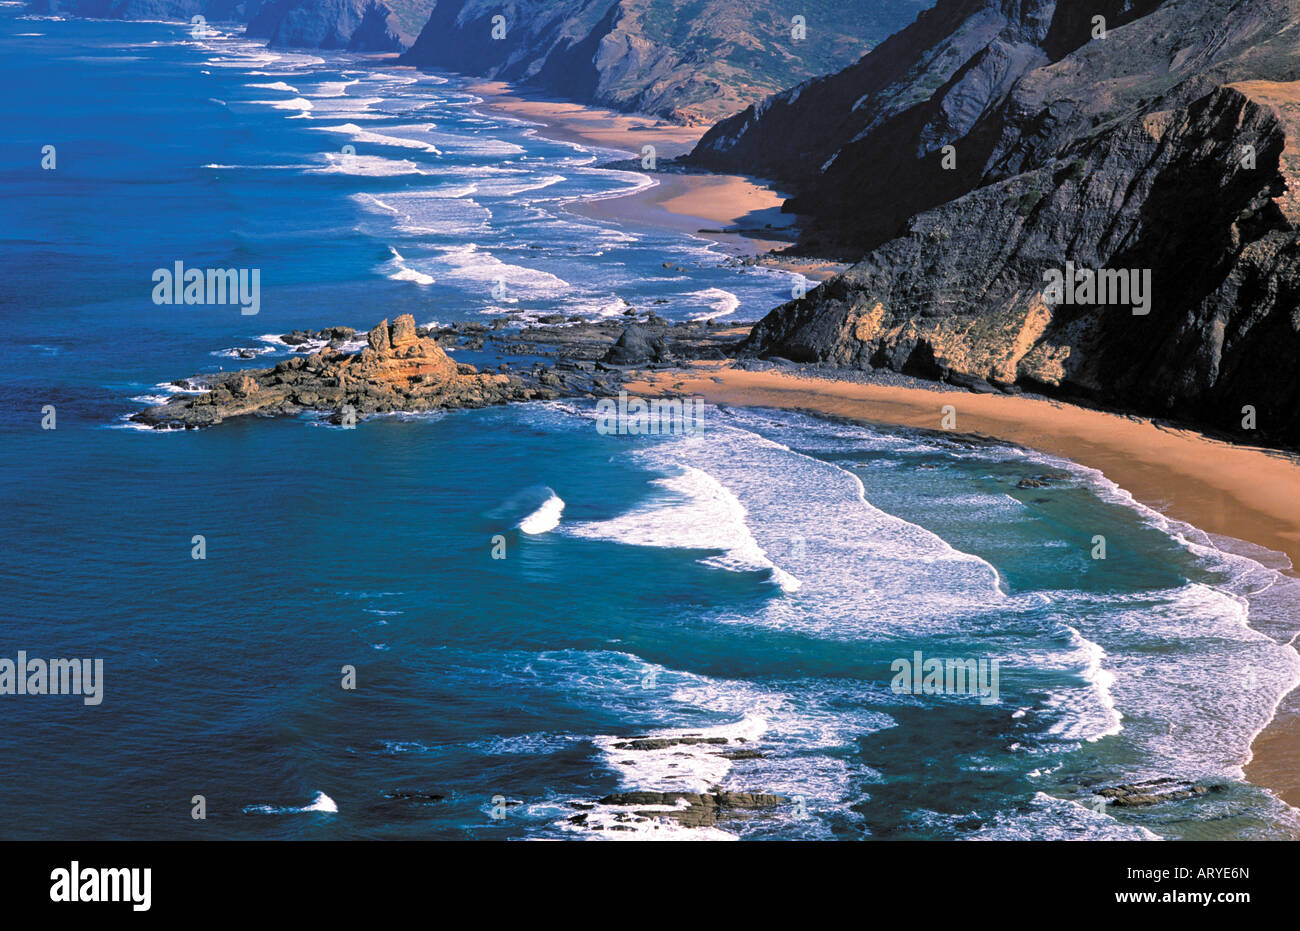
(743,214)
(1235,491)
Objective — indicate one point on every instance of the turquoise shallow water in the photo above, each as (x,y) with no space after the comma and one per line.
(757,580)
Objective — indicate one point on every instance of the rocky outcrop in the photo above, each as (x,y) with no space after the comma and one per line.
(687,60)
(636,346)
(396,371)
(402,367)
(1166,150)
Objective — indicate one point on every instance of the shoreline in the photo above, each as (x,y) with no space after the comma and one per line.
(737,212)
(1242,492)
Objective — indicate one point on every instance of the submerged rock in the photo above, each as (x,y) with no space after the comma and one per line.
(662,743)
(695,810)
(1153,792)
(414,796)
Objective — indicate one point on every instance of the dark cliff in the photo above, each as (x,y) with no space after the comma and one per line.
(1166,148)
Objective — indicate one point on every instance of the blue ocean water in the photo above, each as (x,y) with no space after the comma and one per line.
(755,581)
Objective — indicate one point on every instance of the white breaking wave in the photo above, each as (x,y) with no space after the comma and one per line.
(322,803)
(444,211)
(546,517)
(504,188)
(678,767)
(393,79)
(721,303)
(700,514)
(1225,676)
(402,272)
(470,263)
(371,165)
(332,88)
(1091,716)
(301,104)
(870,572)
(365,136)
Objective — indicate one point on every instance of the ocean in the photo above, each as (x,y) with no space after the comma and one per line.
(512,594)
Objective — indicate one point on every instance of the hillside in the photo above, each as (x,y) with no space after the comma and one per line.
(687,60)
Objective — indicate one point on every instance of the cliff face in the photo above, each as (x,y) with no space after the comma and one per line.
(1166,150)
(863,147)
(363,25)
(688,60)
(359,25)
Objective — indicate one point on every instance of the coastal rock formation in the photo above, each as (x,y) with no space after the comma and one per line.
(396,371)
(687,60)
(635,346)
(1164,151)
(593,345)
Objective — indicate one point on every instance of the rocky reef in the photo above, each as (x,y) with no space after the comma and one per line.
(688,809)
(1153,792)
(397,370)
(991,145)
(401,367)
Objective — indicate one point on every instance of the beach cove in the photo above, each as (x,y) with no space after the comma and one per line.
(597,634)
